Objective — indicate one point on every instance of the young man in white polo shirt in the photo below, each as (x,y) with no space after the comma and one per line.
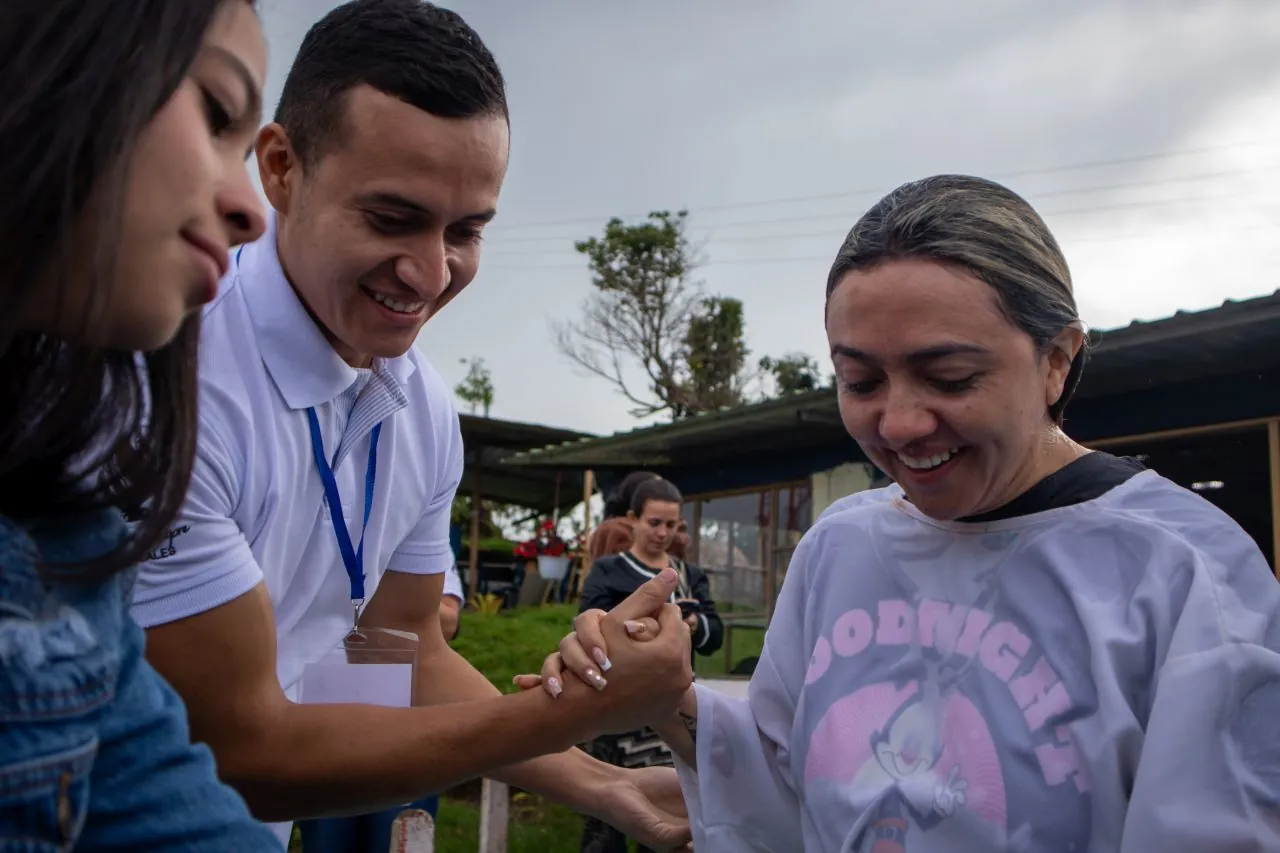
(330,452)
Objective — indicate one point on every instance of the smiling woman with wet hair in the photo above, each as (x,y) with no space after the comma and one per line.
(1020,644)
(971,418)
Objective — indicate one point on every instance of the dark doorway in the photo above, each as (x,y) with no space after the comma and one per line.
(1230,470)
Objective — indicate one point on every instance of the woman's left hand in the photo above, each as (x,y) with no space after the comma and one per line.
(573,648)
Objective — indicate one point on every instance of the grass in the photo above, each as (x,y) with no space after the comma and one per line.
(502,647)
(745,644)
(514,641)
(536,826)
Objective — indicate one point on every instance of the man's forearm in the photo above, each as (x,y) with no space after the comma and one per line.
(572,777)
(352,759)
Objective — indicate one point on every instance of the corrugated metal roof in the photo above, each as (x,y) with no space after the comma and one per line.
(1234,335)
(489,442)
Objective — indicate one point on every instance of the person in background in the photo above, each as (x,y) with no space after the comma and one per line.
(124,128)
(680,543)
(613,534)
(654,517)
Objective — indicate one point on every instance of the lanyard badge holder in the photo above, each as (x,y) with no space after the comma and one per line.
(372,666)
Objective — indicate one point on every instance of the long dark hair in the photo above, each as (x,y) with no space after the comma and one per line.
(84,427)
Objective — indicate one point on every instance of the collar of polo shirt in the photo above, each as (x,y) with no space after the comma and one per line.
(301,361)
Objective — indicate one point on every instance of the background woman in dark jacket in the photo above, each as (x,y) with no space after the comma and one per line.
(613,535)
(654,517)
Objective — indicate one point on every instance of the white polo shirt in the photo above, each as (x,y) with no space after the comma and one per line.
(256,508)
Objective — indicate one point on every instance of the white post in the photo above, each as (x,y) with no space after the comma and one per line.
(413,831)
(495,801)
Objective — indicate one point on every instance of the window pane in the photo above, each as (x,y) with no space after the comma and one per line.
(733,548)
(795,514)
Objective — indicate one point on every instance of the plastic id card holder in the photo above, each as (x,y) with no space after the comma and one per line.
(372,666)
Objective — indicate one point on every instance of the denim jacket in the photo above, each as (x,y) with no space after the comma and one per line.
(94,747)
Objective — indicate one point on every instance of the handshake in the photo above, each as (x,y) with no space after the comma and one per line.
(628,668)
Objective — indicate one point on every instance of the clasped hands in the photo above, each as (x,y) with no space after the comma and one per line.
(633,665)
(632,650)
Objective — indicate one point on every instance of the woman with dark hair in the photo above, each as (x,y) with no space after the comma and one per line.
(124,128)
(1021,644)
(613,535)
(654,518)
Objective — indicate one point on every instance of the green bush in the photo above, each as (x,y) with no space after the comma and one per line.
(513,641)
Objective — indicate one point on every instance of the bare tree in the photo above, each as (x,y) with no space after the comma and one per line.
(639,312)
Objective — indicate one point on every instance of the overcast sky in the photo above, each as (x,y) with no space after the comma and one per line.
(1146,133)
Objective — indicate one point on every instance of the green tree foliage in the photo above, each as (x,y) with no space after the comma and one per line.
(792,373)
(647,327)
(476,388)
(716,354)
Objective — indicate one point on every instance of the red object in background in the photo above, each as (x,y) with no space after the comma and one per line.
(546,542)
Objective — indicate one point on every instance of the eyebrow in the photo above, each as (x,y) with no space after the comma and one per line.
(404,205)
(920,356)
(253,91)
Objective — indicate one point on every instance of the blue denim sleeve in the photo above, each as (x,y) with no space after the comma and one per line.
(153,788)
(94,746)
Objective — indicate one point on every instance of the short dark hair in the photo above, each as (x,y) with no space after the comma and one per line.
(657,489)
(82,427)
(416,51)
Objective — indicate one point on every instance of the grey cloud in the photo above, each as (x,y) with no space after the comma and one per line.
(619,108)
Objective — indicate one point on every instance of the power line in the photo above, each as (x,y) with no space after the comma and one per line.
(1112,238)
(1020,173)
(1100,188)
(845,219)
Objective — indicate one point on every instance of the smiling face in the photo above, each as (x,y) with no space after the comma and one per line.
(187,200)
(941,391)
(383,230)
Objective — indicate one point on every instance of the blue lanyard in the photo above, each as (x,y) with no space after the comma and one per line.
(352,557)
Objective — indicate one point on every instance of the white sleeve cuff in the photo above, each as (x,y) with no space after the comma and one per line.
(706,631)
(420,564)
(151,607)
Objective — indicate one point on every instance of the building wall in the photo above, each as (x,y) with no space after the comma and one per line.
(1188,404)
(829,486)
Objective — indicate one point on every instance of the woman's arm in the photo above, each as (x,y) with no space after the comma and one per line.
(752,803)
(680,732)
(1208,777)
